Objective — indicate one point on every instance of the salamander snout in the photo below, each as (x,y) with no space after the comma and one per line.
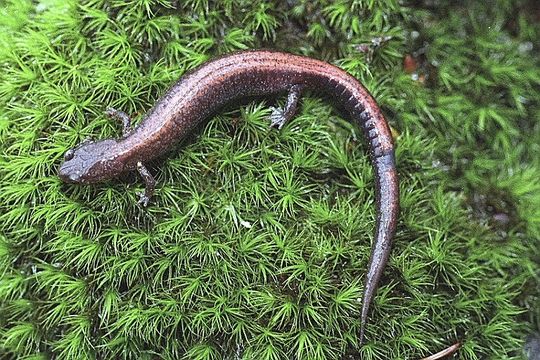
(90,162)
(67,175)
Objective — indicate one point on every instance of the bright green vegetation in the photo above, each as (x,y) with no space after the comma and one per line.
(256,243)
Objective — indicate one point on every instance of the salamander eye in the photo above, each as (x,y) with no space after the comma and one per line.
(69,155)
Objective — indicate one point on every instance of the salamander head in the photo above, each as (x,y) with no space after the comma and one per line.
(91,162)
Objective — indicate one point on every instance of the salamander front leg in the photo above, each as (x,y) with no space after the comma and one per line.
(279,117)
(121,116)
(150,184)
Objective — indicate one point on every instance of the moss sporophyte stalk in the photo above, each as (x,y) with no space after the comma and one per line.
(256,242)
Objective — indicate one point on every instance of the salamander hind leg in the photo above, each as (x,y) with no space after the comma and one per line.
(150,184)
(279,117)
(121,116)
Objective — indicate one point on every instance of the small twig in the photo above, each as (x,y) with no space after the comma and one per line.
(369,48)
(444,353)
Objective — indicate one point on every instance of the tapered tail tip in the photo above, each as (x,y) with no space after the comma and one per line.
(361,337)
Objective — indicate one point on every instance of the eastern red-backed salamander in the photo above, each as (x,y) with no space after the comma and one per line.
(201,92)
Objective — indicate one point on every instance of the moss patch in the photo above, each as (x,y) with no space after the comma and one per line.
(256,243)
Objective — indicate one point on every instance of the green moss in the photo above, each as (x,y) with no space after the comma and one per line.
(257,241)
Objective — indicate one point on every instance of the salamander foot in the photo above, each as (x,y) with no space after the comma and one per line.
(121,116)
(150,185)
(279,117)
(143,199)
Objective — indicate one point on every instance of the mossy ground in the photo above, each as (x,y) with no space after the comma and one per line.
(256,243)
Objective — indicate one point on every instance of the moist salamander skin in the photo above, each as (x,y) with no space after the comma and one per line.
(203,91)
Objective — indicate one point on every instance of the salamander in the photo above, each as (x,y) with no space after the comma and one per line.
(203,91)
